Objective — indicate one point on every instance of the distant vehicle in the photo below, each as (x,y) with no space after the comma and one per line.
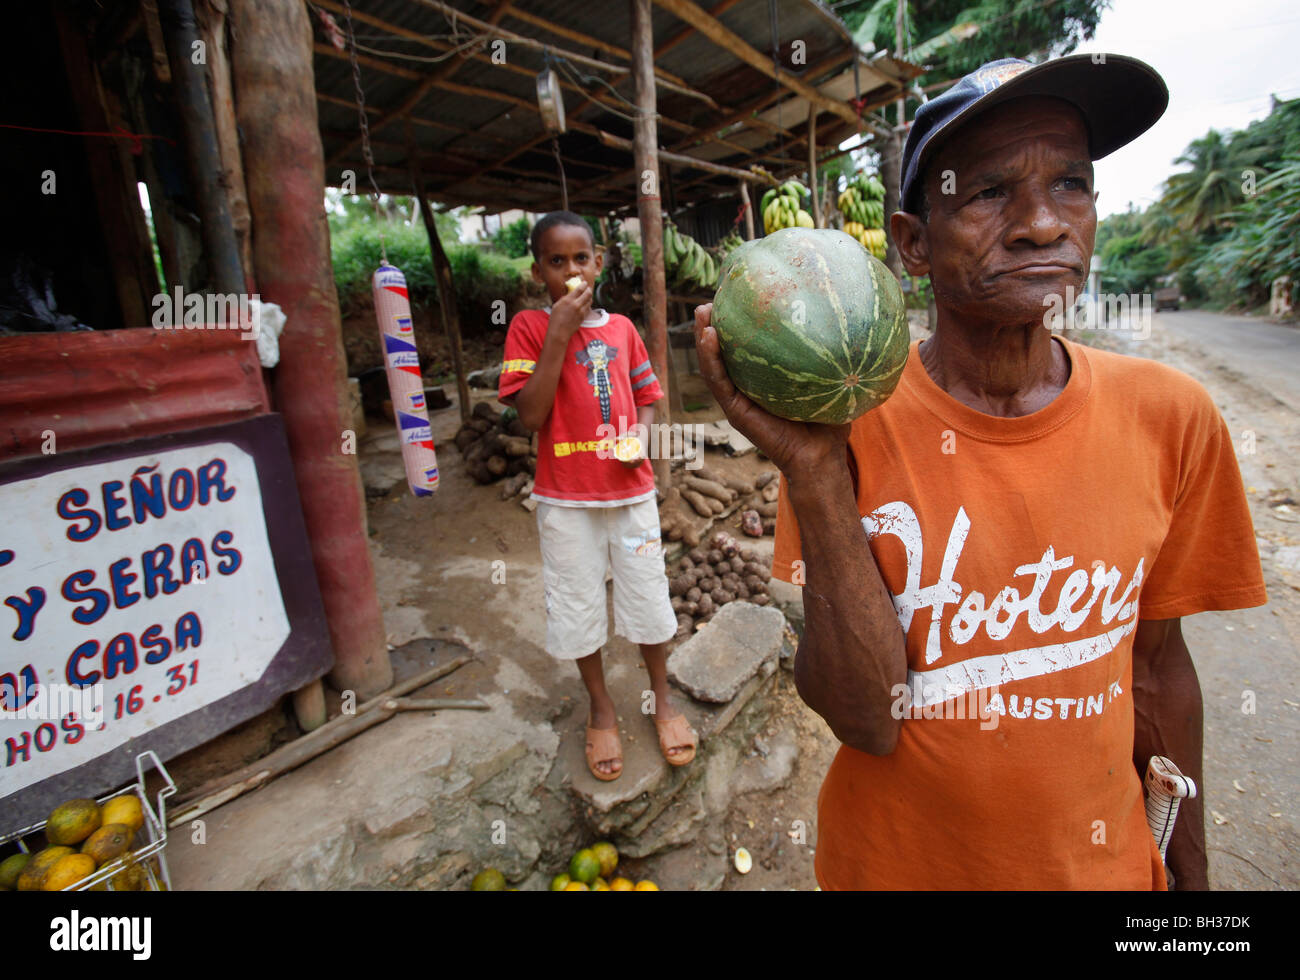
(1167,298)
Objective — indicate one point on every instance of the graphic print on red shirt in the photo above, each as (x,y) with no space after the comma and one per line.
(605,378)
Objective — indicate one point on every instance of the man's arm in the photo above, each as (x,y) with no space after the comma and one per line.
(853,653)
(1167,720)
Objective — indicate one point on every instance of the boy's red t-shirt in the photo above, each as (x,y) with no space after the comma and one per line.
(1021,554)
(605,378)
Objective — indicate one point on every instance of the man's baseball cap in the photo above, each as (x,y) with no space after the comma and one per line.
(1120,98)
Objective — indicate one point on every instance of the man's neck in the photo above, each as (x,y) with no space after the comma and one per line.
(1001,370)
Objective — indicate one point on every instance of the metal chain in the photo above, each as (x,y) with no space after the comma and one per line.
(365,130)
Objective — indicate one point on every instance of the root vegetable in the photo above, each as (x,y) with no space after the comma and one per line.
(722,596)
(766,509)
(690,535)
(737,563)
(479,425)
(686,564)
(771,491)
(514,446)
(485,412)
(748,554)
(710,489)
(698,556)
(466,436)
(684,625)
(679,604)
(764,478)
(761,600)
(693,594)
(709,583)
(692,608)
(496,465)
(754,583)
(678,585)
(725,543)
(769,525)
(698,502)
(705,605)
(751,523)
(742,592)
(715,556)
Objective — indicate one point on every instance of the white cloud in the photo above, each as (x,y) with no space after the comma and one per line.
(1221,62)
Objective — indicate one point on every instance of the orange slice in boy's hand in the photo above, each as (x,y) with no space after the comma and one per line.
(627,449)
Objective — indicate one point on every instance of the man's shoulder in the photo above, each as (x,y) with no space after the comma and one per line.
(1145,385)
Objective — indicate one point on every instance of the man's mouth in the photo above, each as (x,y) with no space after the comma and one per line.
(1041,268)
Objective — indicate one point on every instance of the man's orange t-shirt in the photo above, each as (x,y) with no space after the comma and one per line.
(1020,554)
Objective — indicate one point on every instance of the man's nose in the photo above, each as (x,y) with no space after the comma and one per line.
(1037,216)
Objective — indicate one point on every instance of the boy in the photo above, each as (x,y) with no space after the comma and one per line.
(574,374)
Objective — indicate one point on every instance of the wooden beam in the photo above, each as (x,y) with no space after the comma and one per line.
(609,139)
(724,38)
(686,32)
(650,212)
(749,209)
(413,99)
(812,166)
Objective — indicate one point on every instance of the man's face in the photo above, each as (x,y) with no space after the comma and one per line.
(1012,212)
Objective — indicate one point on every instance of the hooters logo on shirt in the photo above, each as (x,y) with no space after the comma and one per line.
(1089,603)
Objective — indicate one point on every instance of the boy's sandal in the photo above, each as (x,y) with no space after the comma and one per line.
(673,733)
(603,746)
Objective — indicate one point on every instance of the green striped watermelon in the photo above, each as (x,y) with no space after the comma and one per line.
(811,326)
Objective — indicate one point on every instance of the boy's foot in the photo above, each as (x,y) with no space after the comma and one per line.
(604,751)
(677,740)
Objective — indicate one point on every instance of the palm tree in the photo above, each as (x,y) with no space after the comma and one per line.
(1199,199)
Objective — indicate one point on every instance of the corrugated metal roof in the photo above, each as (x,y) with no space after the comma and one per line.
(477,130)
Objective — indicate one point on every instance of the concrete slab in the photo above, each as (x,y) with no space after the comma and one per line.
(715,663)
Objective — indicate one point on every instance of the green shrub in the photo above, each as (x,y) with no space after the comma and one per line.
(512,239)
(480,276)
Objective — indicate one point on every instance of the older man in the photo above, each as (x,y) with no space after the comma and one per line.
(1038,518)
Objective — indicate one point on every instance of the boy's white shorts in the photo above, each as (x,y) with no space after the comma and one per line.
(578,545)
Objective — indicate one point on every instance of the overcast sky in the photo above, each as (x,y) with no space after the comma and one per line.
(1220,61)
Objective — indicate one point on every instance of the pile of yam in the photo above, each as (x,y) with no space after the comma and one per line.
(705,580)
(495,446)
(705,493)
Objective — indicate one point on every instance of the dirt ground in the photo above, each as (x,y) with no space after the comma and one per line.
(1254,849)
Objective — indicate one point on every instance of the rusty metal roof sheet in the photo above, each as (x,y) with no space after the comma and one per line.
(477,132)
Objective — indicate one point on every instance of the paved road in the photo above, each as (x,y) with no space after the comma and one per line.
(1248,660)
(1264,355)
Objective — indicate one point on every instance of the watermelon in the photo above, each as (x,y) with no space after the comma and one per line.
(811,326)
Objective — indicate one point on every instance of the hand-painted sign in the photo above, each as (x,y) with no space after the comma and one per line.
(147,604)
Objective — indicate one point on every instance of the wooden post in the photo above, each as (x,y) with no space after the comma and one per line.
(271,67)
(812,166)
(442,276)
(211,16)
(202,151)
(749,210)
(649,209)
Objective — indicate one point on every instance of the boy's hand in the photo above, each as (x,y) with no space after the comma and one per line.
(801,450)
(568,312)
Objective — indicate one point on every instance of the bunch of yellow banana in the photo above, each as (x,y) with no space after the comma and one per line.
(872,239)
(686,264)
(781,207)
(863,205)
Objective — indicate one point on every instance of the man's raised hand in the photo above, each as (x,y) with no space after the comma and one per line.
(801,450)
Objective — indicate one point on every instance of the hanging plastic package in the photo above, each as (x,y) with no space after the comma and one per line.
(405,386)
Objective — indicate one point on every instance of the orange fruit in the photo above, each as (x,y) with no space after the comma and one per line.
(559,882)
(575,886)
(33,876)
(607,854)
(110,841)
(584,867)
(621,885)
(646,886)
(72,822)
(599,885)
(488,880)
(124,809)
(68,870)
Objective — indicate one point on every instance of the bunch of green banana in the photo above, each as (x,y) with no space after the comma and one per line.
(728,245)
(781,207)
(686,264)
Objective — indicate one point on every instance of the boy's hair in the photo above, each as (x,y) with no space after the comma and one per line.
(550,221)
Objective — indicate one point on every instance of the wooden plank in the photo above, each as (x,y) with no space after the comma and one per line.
(724,38)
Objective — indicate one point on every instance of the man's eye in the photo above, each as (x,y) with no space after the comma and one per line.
(988,193)
(1076,183)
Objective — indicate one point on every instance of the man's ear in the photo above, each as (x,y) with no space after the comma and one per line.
(909,234)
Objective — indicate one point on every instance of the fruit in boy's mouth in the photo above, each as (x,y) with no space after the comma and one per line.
(575,283)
